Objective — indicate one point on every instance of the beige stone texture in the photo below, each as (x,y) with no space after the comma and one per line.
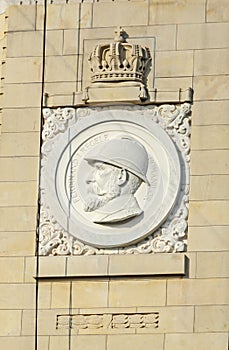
(61,68)
(21,44)
(211,87)
(174,64)
(186,11)
(210,137)
(157,264)
(22,343)
(209,162)
(44,295)
(13,169)
(10,323)
(126,13)
(20,144)
(213,264)
(135,342)
(18,218)
(63,16)
(17,296)
(17,243)
(141,292)
(23,70)
(24,95)
(198,291)
(210,112)
(202,36)
(208,213)
(90,293)
(11,269)
(21,18)
(211,318)
(87,265)
(171,84)
(190,264)
(61,297)
(205,341)
(60,88)
(52,266)
(217,11)
(30,270)
(209,187)
(209,62)
(21,120)
(209,238)
(82,342)
(171,319)
(18,193)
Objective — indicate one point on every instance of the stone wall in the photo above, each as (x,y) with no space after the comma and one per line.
(191,48)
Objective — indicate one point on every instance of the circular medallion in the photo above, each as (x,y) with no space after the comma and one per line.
(112,178)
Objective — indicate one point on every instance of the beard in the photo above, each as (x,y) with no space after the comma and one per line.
(96,197)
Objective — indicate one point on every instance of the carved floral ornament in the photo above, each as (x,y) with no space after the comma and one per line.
(114,180)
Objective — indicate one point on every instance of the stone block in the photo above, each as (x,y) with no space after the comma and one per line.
(21,120)
(156,264)
(61,296)
(61,68)
(174,64)
(79,342)
(211,87)
(52,266)
(30,269)
(212,238)
(21,18)
(11,269)
(211,318)
(17,243)
(23,70)
(210,137)
(209,162)
(202,36)
(44,295)
(210,62)
(166,12)
(209,187)
(126,13)
(217,11)
(208,213)
(198,291)
(141,292)
(18,193)
(17,296)
(18,218)
(22,343)
(135,341)
(210,112)
(24,95)
(60,88)
(13,169)
(205,341)
(10,323)
(171,84)
(20,144)
(88,294)
(63,16)
(207,269)
(21,44)
(87,265)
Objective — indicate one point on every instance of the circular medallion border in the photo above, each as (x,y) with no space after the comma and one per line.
(65,174)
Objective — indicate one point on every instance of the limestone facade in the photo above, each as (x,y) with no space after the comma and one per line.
(162,301)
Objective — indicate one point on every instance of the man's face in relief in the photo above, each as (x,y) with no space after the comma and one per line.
(102,185)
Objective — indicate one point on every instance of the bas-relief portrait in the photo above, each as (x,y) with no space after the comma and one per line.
(118,168)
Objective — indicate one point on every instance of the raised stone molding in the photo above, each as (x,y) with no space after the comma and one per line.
(171,236)
(108,321)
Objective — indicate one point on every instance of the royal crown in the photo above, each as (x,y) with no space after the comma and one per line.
(120,61)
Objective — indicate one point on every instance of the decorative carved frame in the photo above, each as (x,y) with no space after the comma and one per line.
(171,236)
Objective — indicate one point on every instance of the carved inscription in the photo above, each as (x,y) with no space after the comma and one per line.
(108,321)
